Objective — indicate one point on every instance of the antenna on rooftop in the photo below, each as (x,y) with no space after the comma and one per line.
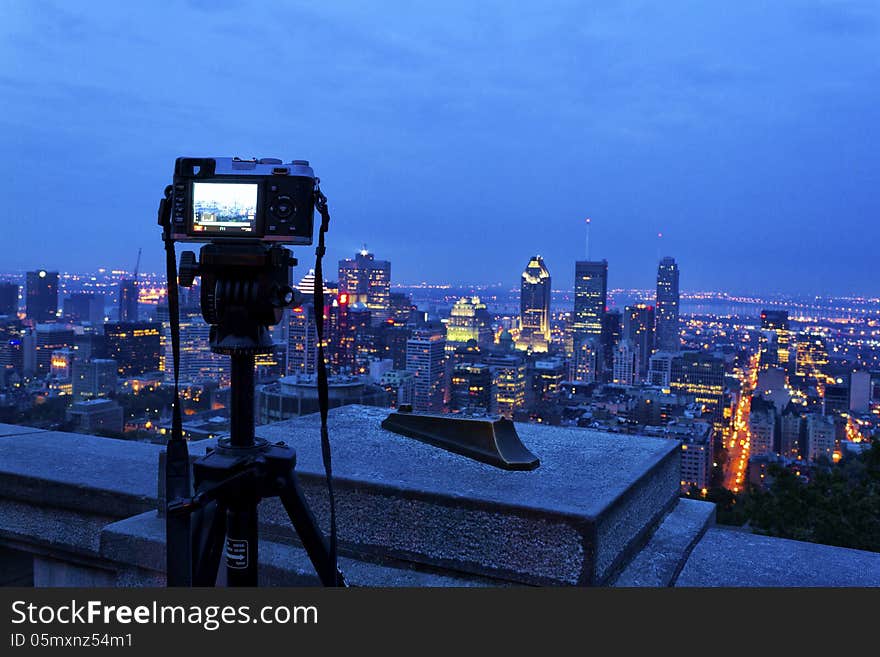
(588,221)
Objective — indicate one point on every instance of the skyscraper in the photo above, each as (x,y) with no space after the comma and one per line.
(667,306)
(471,389)
(368,281)
(128,301)
(534,302)
(612,323)
(468,320)
(197,362)
(45,339)
(626,363)
(8,299)
(425,358)
(701,376)
(590,298)
(509,383)
(135,346)
(775,339)
(42,295)
(638,328)
(585,363)
(302,349)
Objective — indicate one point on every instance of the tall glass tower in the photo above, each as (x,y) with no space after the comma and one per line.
(534,315)
(368,281)
(590,297)
(667,306)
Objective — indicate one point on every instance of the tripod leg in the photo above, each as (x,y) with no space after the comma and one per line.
(309,534)
(208,544)
(242,548)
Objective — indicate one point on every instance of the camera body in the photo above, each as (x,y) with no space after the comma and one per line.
(223,199)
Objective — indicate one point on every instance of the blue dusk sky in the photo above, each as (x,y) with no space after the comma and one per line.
(457,139)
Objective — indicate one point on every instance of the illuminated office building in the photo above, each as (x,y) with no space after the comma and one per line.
(426,359)
(585,364)
(197,362)
(350,340)
(667,306)
(471,389)
(590,298)
(775,339)
(41,295)
(534,316)
(368,281)
(400,386)
(8,299)
(11,345)
(700,376)
(94,378)
(811,360)
(762,426)
(307,284)
(61,363)
(302,349)
(135,346)
(45,339)
(820,435)
(791,429)
(468,320)
(545,380)
(660,368)
(509,383)
(271,365)
(401,308)
(626,363)
(638,328)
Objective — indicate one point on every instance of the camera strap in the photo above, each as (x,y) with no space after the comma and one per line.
(323,394)
(177,473)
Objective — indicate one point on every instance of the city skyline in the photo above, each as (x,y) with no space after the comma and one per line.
(755,156)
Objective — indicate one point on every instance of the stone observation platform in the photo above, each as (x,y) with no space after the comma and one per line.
(601,510)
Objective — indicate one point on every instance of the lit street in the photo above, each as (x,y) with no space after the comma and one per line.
(740,439)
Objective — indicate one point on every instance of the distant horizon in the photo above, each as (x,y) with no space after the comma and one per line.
(300,272)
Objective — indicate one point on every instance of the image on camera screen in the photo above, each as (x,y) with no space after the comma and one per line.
(224,207)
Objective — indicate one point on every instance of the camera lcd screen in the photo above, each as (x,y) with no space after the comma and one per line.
(224,208)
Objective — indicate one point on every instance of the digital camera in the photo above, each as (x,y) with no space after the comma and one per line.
(218,199)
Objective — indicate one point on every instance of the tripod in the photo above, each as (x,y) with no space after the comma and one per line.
(244,289)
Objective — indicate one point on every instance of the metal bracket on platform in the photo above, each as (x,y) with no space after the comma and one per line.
(491,441)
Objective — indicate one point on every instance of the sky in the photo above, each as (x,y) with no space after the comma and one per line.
(458,139)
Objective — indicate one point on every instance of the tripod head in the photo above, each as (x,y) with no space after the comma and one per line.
(245,289)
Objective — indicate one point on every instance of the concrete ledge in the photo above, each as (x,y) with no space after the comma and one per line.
(574,520)
(735,558)
(661,560)
(140,542)
(79,472)
(17,430)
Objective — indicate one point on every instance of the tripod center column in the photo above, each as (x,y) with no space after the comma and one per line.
(241,403)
